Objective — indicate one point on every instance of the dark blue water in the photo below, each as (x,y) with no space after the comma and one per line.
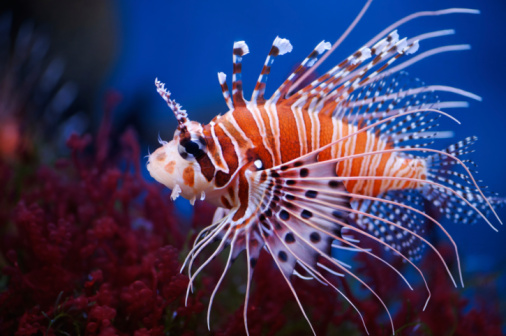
(185,43)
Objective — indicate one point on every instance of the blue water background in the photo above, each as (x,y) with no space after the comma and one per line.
(185,43)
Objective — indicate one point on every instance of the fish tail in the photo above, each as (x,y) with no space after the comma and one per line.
(452,191)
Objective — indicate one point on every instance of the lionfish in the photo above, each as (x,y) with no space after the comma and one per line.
(315,167)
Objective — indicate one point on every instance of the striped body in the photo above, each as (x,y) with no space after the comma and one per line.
(276,135)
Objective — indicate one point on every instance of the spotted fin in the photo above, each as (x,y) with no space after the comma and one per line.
(446,171)
(280,46)
(308,202)
(240,49)
(304,212)
(297,228)
(395,206)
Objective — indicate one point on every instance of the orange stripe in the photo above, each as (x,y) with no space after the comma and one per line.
(307,124)
(243,194)
(229,156)
(290,145)
(248,125)
(326,132)
(268,131)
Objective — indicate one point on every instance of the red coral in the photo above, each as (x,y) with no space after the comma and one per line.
(89,246)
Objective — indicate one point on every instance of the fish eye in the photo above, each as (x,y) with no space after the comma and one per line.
(191,147)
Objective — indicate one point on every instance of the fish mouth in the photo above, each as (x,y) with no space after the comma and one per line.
(168,168)
(162,177)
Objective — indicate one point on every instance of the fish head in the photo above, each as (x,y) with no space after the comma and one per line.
(175,165)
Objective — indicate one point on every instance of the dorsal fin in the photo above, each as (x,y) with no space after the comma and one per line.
(280,46)
(222,78)
(240,49)
(308,62)
(330,93)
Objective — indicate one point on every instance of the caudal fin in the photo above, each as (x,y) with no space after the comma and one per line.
(456,196)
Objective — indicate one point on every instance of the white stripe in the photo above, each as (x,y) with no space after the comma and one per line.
(386,171)
(232,120)
(272,114)
(369,144)
(235,143)
(301,128)
(373,168)
(224,165)
(335,133)
(313,116)
(350,148)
